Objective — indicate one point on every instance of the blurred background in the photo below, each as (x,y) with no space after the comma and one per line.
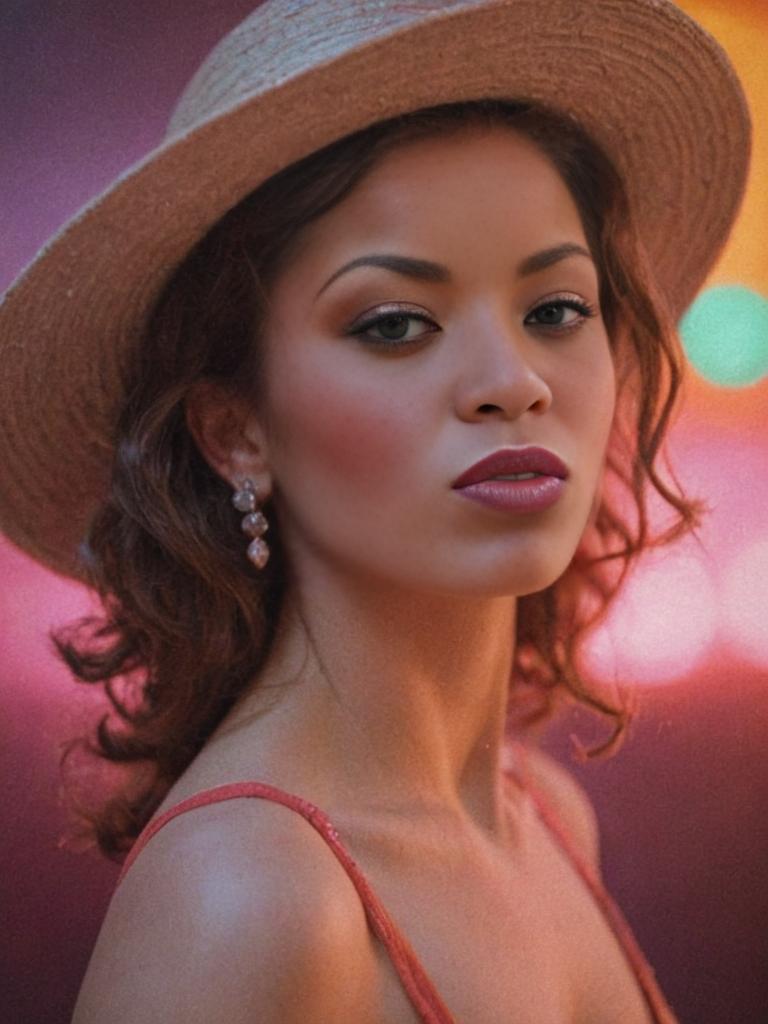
(683,807)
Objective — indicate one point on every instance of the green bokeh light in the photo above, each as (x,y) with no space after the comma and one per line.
(725,335)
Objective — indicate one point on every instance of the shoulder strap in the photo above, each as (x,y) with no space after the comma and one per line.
(644,972)
(420,989)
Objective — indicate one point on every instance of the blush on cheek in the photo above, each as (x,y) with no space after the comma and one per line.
(344,438)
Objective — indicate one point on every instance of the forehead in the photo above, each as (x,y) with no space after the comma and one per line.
(467,159)
(479,182)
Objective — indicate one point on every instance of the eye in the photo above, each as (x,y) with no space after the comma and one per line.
(551,314)
(393,327)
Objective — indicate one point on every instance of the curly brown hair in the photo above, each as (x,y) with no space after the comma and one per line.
(186,623)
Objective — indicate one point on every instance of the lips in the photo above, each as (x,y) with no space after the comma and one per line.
(514,460)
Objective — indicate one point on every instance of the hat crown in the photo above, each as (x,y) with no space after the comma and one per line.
(281,39)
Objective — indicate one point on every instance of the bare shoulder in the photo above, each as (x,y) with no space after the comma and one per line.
(568,799)
(233,912)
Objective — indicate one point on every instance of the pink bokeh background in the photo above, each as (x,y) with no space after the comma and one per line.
(683,807)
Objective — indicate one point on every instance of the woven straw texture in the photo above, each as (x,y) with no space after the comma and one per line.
(650,85)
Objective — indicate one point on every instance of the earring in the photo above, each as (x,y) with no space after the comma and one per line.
(254,522)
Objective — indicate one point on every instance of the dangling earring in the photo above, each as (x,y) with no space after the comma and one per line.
(254,522)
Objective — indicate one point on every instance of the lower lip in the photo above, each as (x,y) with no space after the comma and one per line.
(532,495)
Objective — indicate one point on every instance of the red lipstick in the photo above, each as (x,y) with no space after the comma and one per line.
(532,494)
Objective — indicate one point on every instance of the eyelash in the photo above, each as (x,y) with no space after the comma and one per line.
(586,309)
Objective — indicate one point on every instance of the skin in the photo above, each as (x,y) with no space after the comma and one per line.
(406,588)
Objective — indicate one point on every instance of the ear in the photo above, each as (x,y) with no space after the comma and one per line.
(228,434)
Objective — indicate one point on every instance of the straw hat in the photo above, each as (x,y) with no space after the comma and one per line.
(645,80)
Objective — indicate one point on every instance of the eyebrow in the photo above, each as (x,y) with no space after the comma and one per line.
(426,270)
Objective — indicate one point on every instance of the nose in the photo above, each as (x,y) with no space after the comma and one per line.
(502,373)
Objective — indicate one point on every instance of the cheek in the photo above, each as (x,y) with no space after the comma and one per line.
(587,393)
(600,403)
(593,385)
(603,395)
(608,386)
(338,431)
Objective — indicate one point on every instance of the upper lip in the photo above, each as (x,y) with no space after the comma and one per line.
(513,460)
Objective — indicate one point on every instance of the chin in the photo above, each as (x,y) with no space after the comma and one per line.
(496,581)
(529,569)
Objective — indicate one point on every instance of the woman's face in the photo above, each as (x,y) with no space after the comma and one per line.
(366,435)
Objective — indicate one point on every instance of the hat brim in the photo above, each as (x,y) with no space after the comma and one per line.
(648,83)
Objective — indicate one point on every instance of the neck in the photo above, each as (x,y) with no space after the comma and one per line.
(398,701)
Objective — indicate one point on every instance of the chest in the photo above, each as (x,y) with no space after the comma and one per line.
(519,939)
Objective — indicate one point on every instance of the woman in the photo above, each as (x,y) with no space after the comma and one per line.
(441,279)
